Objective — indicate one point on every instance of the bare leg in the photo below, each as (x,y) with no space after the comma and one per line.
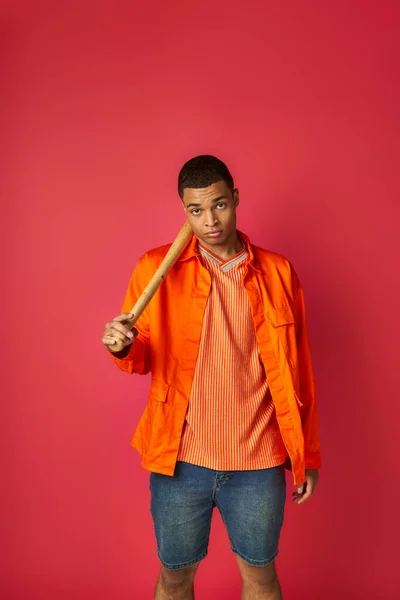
(176,584)
(259,583)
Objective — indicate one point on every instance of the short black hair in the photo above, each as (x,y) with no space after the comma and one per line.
(202,171)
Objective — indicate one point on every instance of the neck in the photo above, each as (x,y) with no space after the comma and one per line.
(228,249)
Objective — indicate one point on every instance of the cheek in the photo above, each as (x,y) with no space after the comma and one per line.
(227,217)
(194,222)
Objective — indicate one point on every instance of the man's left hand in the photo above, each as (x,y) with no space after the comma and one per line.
(305,490)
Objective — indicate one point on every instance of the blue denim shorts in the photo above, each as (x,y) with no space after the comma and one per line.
(251,504)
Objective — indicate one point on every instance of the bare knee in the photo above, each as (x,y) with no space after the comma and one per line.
(178,579)
(264,578)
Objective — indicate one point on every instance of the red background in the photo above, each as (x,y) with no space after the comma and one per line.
(102,102)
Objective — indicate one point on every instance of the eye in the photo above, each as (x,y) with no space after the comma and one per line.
(221,205)
(195,212)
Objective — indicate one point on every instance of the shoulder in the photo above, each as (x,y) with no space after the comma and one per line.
(268,257)
(153,258)
(274,264)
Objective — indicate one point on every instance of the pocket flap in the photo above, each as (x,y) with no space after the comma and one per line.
(158,390)
(281,316)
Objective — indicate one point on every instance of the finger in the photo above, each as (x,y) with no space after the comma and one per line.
(118,335)
(131,334)
(300,499)
(115,336)
(123,317)
(113,326)
(300,491)
(304,498)
(116,326)
(116,331)
(307,494)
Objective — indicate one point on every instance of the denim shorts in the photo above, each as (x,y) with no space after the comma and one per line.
(251,504)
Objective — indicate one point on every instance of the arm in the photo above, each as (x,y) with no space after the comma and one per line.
(135,358)
(308,410)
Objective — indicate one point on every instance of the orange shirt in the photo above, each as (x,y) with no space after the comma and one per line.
(231,422)
(169,340)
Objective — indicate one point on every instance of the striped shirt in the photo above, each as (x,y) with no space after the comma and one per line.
(230,423)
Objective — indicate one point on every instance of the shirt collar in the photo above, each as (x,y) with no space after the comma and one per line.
(192,251)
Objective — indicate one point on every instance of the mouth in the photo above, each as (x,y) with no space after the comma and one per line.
(214,234)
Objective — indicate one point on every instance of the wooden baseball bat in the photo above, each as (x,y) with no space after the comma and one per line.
(176,249)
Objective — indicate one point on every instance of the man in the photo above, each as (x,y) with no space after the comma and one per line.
(232,397)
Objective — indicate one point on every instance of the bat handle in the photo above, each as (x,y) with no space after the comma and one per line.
(119,345)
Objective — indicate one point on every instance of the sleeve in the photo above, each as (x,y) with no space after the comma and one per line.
(307,392)
(138,359)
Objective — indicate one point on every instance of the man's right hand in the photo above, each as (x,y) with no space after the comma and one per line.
(115,329)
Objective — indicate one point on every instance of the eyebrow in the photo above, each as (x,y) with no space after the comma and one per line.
(214,200)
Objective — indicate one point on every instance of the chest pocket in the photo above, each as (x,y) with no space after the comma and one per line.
(158,391)
(283,321)
(281,316)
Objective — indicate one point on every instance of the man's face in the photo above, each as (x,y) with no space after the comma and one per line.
(211,211)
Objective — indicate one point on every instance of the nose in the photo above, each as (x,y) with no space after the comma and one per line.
(211,219)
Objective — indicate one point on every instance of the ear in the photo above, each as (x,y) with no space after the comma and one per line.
(236,198)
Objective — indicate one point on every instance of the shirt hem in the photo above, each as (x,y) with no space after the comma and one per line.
(272,462)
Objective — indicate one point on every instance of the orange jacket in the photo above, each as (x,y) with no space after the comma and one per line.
(168,343)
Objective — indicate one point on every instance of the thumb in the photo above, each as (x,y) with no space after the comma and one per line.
(123,317)
(300,488)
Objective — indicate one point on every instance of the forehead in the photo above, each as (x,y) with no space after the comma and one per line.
(207,194)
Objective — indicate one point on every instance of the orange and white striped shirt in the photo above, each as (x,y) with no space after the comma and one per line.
(231,422)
